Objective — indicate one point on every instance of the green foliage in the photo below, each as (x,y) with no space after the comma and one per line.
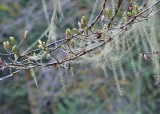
(11,94)
(3,8)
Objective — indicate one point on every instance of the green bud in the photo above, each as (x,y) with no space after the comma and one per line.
(72,43)
(15,56)
(44,44)
(133,12)
(41,47)
(39,42)
(129,13)
(62,46)
(75,30)
(68,33)
(108,13)
(136,8)
(84,20)
(86,29)
(11,40)
(14,48)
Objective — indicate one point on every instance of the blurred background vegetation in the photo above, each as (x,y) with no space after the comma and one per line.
(81,90)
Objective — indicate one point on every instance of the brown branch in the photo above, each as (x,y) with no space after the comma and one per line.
(101,12)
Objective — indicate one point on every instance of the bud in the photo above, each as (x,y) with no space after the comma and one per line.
(133,12)
(6,45)
(44,44)
(86,29)
(79,25)
(72,43)
(41,47)
(130,7)
(62,46)
(129,14)
(82,24)
(136,8)
(39,42)
(11,40)
(83,20)
(145,56)
(108,13)
(14,48)
(102,18)
(68,33)
(15,56)
(25,34)
(75,30)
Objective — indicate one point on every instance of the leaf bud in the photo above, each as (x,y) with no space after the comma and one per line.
(75,30)
(108,13)
(41,47)
(136,8)
(62,46)
(68,33)
(5,45)
(15,56)
(39,42)
(86,29)
(44,44)
(133,12)
(11,40)
(14,48)
(25,34)
(72,43)
(84,20)
(129,14)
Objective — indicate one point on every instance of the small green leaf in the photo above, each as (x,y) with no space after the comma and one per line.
(75,30)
